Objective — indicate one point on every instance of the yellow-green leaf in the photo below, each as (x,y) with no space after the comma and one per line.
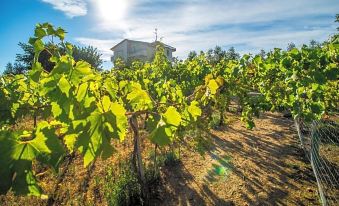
(106,103)
(64,86)
(81,92)
(172,116)
(213,86)
(83,67)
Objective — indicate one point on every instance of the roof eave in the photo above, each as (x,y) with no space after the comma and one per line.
(118,44)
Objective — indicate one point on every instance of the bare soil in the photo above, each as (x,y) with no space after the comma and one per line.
(263,166)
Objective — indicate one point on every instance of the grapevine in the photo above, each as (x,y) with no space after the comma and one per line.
(78,109)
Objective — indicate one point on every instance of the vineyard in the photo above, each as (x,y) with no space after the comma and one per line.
(77,136)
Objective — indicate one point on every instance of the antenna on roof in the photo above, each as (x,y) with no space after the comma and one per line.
(156,34)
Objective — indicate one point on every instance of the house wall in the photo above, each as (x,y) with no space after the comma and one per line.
(168,53)
(121,51)
(140,51)
(134,50)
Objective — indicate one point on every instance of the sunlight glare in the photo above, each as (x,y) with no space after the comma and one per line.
(112,10)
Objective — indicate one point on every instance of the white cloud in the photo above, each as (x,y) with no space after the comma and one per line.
(71,8)
(103,46)
(198,15)
(199,25)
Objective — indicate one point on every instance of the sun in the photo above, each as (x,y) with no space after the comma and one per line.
(112,11)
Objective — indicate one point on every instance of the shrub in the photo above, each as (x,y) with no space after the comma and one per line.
(122,188)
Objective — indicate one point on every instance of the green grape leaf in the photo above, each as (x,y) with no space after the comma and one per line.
(39,32)
(161,135)
(120,120)
(295,53)
(26,183)
(60,33)
(93,143)
(250,124)
(194,110)
(319,77)
(38,46)
(50,29)
(151,122)
(257,59)
(69,47)
(213,86)
(14,109)
(82,92)
(106,103)
(172,116)
(111,88)
(16,165)
(64,86)
(48,145)
(107,149)
(32,40)
(163,99)
(139,99)
(63,66)
(101,127)
(7,144)
(317,107)
(332,72)
(70,140)
(88,101)
(123,84)
(56,109)
(36,71)
(286,63)
(83,67)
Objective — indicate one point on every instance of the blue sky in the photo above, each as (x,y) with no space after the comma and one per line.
(185,24)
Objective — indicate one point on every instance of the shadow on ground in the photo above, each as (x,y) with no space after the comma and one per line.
(263,166)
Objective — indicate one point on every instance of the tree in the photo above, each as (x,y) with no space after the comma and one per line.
(23,61)
(191,55)
(231,54)
(17,68)
(314,44)
(209,54)
(25,58)
(335,37)
(9,68)
(215,55)
(90,55)
(262,54)
(218,53)
(290,46)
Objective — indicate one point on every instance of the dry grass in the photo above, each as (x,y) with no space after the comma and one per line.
(263,166)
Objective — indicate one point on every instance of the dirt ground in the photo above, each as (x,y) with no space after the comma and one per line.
(263,166)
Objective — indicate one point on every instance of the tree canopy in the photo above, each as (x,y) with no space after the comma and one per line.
(23,61)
